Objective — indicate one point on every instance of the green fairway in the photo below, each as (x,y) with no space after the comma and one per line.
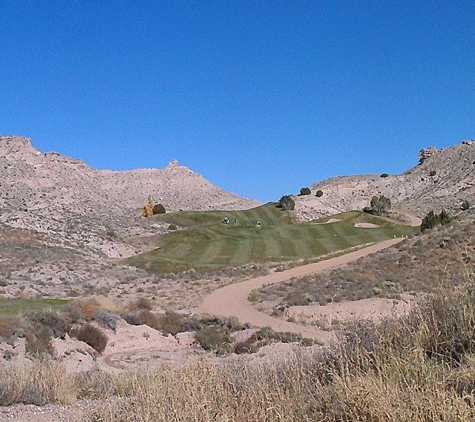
(206,242)
(20,306)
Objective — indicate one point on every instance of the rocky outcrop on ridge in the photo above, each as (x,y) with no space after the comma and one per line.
(442,179)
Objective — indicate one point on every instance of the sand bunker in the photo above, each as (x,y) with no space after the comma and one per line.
(366,226)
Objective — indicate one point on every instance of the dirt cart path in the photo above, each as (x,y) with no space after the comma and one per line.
(232,300)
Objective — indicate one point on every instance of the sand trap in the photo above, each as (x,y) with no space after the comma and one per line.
(330,221)
(366,226)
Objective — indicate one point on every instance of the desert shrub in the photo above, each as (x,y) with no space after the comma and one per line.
(141,303)
(380,204)
(319,193)
(253,295)
(432,173)
(305,191)
(73,311)
(287,203)
(39,341)
(158,209)
(432,219)
(150,319)
(36,383)
(9,325)
(384,175)
(465,205)
(91,335)
(106,319)
(172,227)
(133,319)
(171,323)
(215,339)
(296,298)
(50,319)
(88,307)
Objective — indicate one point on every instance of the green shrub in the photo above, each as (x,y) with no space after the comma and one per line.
(465,205)
(158,209)
(172,227)
(305,191)
(432,173)
(384,175)
(319,193)
(431,220)
(91,335)
(287,203)
(215,339)
(253,295)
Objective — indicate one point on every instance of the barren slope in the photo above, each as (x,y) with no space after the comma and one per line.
(444,179)
(66,200)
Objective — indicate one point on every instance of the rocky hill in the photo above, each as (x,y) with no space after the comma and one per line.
(68,202)
(441,179)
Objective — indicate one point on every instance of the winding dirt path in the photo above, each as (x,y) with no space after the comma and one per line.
(232,300)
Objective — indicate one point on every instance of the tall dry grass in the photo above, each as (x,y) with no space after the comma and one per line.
(418,368)
(37,383)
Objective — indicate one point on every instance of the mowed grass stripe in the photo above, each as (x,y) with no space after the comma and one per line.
(206,252)
(209,243)
(242,252)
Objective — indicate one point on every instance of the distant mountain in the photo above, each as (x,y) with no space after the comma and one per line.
(442,179)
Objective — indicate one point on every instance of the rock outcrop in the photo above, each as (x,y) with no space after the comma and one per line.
(442,179)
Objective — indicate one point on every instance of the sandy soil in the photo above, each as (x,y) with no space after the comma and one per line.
(233,299)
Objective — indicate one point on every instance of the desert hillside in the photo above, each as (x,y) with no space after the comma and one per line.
(63,198)
(442,179)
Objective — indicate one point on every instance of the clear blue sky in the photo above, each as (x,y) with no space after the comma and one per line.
(260,97)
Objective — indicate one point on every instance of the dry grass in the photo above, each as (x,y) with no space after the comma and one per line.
(418,368)
(37,383)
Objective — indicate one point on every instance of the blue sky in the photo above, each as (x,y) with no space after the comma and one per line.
(260,97)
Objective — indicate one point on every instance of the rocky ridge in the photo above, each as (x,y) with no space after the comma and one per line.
(442,179)
(64,198)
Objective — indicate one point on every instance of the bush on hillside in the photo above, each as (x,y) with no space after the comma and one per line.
(91,335)
(384,175)
(432,173)
(52,320)
(158,209)
(431,220)
(305,191)
(465,205)
(287,203)
(380,204)
(319,193)
(215,339)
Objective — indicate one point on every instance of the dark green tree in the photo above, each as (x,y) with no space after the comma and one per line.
(287,203)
